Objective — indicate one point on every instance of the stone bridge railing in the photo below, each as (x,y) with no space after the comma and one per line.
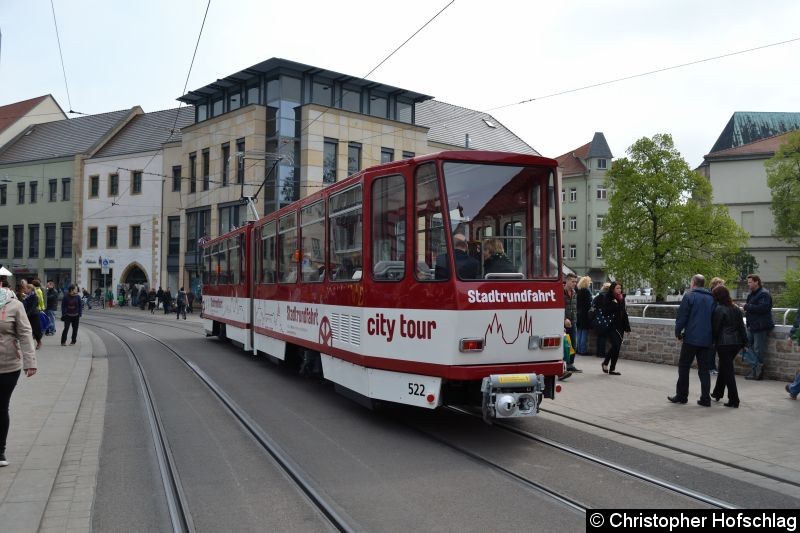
(653,340)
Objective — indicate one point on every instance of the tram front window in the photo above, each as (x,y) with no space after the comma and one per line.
(498,209)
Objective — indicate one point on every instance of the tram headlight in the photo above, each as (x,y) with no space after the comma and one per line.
(505,405)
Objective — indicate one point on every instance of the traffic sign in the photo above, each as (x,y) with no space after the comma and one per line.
(104,267)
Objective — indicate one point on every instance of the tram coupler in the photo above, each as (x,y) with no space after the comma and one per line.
(511,395)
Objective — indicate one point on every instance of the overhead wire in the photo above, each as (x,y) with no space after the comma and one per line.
(61,55)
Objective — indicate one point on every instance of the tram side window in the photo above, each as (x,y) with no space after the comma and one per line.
(206,266)
(388,228)
(214,270)
(287,248)
(235,252)
(312,233)
(430,242)
(553,257)
(222,277)
(268,263)
(536,233)
(346,230)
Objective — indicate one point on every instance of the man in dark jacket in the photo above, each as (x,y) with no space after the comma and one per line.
(758,311)
(693,327)
(52,306)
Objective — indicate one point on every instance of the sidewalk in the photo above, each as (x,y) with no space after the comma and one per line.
(761,435)
(57,420)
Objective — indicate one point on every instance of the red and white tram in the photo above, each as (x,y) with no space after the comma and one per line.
(378,283)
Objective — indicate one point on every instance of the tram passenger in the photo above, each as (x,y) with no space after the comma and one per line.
(494,258)
(467,267)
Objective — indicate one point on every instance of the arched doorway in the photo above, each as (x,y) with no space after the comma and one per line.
(133,275)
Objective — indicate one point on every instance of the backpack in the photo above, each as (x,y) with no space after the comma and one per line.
(73,307)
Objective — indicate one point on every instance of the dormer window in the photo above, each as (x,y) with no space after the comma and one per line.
(601,164)
(490,123)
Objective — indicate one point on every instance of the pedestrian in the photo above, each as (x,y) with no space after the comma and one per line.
(159,297)
(51,297)
(190,302)
(31,303)
(693,328)
(570,316)
(180,304)
(37,287)
(494,258)
(569,353)
(715,281)
(794,336)
(143,297)
(614,307)
(758,311)
(71,312)
(729,336)
(597,303)
(583,325)
(17,353)
(151,301)
(167,299)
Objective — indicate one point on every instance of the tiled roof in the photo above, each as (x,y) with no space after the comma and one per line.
(148,132)
(765,147)
(449,124)
(572,162)
(599,146)
(61,138)
(746,127)
(11,113)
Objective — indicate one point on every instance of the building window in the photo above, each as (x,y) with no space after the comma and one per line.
(34,192)
(601,164)
(748,219)
(234,100)
(408,155)
(19,236)
(176,178)
(53,190)
(193,172)
(322,93)
(252,93)
(351,100)
(65,197)
(2,195)
(573,194)
(3,241)
(573,251)
(33,240)
(387,155)
(378,105)
(573,223)
(20,193)
(113,184)
(226,163)
(598,251)
(216,107)
(202,112)
(66,239)
(600,219)
(353,158)
(94,186)
(601,193)
(174,236)
(49,240)
(329,158)
(92,237)
(229,218)
(240,161)
(111,237)
(136,236)
(136,182)
(403,111)
(206,169)
(563,224)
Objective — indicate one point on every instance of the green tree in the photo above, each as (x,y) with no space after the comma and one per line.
(783,178)
(790,297)
(743,264)
(661,224)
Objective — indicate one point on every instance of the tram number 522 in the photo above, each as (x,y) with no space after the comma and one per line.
(416,389)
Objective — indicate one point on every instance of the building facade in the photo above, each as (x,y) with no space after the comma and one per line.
(584,204)
(17,117)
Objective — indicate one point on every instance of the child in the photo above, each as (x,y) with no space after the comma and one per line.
(569,352)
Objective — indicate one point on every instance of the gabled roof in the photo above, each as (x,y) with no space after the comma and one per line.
(148,132)
(450,124)
(11,113)
(62,138)
(572,162)
(764,148)
(746,127)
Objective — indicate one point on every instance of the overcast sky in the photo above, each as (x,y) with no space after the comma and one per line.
(476,54)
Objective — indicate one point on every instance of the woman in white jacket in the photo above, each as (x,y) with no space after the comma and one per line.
(17,352)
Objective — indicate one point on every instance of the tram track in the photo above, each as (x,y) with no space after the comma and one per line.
(177,504)
(678,489)
(682,451)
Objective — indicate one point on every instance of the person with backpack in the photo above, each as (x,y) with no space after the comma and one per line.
(180,304)
(71,312)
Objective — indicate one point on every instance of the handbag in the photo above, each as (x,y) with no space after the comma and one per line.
(601,322)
